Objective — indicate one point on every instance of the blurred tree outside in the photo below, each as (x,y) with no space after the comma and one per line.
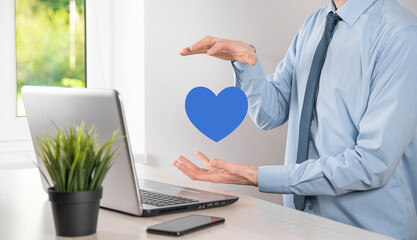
(50,48)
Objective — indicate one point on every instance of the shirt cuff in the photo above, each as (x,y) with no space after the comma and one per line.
(246,72)
(273,179)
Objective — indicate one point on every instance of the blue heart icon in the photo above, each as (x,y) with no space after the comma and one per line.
(216,116)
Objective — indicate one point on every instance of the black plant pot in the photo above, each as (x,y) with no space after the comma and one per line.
(75,213)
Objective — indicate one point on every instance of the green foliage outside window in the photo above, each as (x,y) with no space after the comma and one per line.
(50,40)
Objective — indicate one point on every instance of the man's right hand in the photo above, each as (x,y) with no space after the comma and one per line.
(229,50)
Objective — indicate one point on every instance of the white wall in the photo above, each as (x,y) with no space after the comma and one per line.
(411,5)
(171,25)
(115,58)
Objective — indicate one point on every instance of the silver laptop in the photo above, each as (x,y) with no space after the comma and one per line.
(123,191)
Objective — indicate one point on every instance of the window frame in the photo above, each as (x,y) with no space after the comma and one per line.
(12,128)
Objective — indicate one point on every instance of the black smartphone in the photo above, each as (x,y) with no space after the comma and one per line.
(181,226)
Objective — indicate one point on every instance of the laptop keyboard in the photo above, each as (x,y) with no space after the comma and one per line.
(161,200)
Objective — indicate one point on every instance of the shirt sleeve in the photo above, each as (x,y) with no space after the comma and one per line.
(268,97)
(385,131)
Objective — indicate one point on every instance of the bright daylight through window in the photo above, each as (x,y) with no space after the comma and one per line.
(50,44)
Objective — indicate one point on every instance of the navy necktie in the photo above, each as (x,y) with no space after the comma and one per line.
(310,96)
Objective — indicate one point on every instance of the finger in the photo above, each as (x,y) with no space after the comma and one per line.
(189,52)
(204,159)
(245,57)
(216,48)
(204,44)
(212,176)
(224,56)
(195,175)
(192,174)
(251,59)
(185,51)
(189,164)
(233,168)
(218,176)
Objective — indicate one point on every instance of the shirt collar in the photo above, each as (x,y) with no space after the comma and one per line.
(351,10)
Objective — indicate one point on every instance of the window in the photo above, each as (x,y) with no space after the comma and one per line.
(50,44)
(114,59)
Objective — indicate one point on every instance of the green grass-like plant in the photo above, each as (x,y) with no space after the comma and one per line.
(74,160)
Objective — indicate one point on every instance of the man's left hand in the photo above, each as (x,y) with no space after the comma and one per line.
(218,171)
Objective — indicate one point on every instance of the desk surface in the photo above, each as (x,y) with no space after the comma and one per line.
(25,213)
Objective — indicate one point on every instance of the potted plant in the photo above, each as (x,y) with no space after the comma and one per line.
(77,167)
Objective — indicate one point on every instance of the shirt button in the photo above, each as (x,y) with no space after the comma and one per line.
(310,137)
(241,71)
(310,207)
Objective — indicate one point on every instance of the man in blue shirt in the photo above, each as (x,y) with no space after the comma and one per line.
(361,149)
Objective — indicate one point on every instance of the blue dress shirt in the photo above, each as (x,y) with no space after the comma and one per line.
(362,167)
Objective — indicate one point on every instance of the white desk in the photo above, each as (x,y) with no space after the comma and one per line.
(25,213)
